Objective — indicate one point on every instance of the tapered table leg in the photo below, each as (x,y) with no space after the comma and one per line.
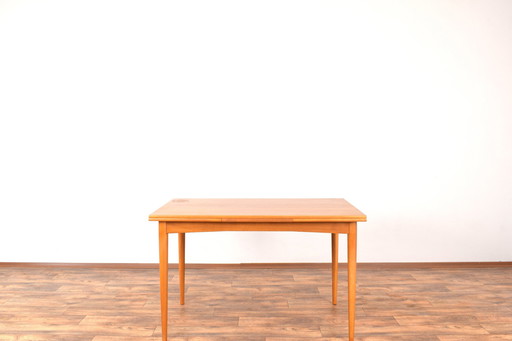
(352,249)
(334,249)
(164,276)
(181,267)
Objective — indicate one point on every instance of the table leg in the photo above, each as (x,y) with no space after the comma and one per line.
(334,249)
(164,276)
(181,267)
(352,251)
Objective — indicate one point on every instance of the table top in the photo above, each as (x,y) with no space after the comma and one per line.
(258,210)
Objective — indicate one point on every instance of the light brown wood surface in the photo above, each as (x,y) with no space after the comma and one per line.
(164,275)
(328,227)
(351,263)
(258,210)
(334,263)
(309,215)
(181,266)
(280,303)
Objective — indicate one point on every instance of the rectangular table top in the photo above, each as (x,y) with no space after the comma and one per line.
(258,210)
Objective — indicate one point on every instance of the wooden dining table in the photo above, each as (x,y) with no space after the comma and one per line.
(332,216)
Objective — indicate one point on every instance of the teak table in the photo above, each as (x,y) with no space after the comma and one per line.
(332,216)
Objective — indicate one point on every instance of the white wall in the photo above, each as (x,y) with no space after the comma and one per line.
(110,108)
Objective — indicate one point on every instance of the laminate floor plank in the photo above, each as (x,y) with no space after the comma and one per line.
(281,304)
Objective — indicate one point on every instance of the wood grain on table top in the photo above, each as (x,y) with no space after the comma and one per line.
(258,210)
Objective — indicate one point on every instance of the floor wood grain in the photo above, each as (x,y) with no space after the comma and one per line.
(280,304)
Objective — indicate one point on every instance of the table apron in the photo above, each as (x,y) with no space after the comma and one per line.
(328,227)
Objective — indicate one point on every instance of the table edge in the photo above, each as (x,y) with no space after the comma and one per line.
(258,219)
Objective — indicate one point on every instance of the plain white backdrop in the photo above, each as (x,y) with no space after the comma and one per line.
(108,109)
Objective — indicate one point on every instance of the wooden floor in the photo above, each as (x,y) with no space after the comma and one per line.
(255,304)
